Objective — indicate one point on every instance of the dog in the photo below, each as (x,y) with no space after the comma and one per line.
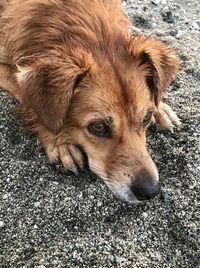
(88,87)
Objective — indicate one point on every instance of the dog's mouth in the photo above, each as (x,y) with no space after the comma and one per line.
(123,193)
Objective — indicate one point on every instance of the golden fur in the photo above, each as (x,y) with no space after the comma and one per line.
(74,66)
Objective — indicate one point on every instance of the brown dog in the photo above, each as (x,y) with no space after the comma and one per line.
(88,87)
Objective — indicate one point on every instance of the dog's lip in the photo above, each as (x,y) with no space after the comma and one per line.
(131,201)
(123,193)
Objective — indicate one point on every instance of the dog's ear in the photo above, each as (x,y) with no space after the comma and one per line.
(159,63)
(48,85)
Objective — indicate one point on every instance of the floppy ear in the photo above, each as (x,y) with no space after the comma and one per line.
(47,86)
(159,63)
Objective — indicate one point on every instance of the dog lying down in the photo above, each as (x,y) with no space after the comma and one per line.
(88,87)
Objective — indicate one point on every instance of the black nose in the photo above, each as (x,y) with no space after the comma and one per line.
(145,186)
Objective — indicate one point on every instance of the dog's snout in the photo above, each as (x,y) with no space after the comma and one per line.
(145,186)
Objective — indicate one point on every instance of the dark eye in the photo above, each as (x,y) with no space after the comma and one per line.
(100,129)
(147,118)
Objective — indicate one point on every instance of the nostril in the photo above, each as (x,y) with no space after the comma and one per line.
(145,186)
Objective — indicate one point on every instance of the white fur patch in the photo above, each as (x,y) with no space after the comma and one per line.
(23,73)
(123,193)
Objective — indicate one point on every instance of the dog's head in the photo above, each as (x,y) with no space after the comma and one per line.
(103,102)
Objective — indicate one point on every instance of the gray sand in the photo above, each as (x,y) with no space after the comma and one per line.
(50,218)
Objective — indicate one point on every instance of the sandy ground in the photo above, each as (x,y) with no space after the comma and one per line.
(49,218)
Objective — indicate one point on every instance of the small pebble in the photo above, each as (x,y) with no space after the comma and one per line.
(5,196)
(169,39)
(179,34)
(154,25)
(1,224)
(37,204)
(168,17)
(196,25)
(120,259)
(155,2)
(145,215)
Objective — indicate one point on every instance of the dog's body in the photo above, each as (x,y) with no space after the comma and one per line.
(86,85)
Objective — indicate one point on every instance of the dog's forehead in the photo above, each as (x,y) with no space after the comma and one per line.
(122,97)
(125,91)
(124,82)
(112,91)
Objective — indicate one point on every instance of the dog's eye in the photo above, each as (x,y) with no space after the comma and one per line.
(100,129)
(147,118)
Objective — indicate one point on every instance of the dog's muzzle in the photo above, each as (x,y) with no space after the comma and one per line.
(144,186)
